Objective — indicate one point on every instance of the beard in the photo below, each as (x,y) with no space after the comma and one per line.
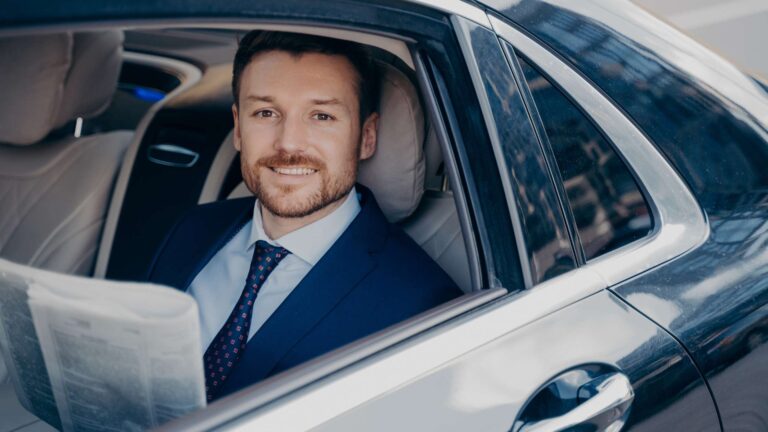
(297,201)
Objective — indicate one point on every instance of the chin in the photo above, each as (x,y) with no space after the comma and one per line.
(291,201)
(300,200)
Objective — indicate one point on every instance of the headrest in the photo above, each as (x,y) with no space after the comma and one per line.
(395,173)
(49,80)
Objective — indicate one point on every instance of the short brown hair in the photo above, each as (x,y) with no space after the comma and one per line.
(259,41)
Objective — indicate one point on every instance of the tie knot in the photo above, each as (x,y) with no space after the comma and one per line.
(266,251)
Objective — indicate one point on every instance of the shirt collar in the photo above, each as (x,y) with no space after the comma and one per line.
(312,241)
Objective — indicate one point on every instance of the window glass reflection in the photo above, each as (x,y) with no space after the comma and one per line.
(608,207)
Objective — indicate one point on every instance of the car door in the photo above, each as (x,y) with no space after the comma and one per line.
(555,349)
(562,353)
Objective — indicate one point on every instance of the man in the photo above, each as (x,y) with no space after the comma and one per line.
(321,265)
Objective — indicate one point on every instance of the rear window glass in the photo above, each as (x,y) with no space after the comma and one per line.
(607,205)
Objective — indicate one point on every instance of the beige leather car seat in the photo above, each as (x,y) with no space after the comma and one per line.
(397,174)
(54,192)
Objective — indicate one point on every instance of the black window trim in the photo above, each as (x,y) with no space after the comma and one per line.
(541,134)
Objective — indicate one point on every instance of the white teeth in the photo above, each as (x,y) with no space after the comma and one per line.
(294,171)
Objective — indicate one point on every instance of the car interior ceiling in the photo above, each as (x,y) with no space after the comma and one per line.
(160,187)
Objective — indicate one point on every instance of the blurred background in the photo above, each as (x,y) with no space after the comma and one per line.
(736,29)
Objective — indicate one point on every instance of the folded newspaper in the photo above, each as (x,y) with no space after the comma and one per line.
(87,354)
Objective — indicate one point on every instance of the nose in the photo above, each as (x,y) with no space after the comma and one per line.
(292,136)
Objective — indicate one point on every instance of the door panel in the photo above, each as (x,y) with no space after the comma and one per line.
(486,388)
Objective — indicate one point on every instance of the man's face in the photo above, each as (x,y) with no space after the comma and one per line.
(298,130)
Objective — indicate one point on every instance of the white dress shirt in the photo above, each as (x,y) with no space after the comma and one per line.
(220,283)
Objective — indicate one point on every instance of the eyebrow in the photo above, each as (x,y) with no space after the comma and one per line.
(270,99)
(257,98)
(331,101)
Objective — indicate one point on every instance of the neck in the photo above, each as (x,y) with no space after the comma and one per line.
(278,226)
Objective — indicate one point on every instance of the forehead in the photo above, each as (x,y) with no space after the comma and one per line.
(304,76)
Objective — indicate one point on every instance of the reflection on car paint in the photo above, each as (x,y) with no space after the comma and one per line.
(720,149)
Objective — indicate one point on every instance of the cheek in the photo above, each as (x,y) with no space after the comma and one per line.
(324,136)
(255,139)
(340,145)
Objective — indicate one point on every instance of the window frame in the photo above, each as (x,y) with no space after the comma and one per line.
(679,222)
(555,169)
(539,227)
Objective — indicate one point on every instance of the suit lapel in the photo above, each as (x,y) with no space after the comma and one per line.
(210,236)
(348,261)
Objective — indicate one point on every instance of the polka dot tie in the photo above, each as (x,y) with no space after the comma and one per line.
(229,343)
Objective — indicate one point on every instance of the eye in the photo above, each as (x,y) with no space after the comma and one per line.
(264,114)
(323,117)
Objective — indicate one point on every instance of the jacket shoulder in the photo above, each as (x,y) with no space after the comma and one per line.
(194,232)
(411,269)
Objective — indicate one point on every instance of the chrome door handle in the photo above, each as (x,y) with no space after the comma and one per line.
(604,411)
(172,155)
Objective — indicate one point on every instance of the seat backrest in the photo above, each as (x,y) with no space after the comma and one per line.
(435,224)
(54,191)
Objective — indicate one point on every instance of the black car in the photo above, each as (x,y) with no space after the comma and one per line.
(593,180)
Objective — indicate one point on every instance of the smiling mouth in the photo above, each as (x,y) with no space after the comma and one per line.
(295,171)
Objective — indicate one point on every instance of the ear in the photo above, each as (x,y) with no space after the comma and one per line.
(368,136)
(236,134)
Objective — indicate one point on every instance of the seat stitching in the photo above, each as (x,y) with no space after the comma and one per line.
(41,256)
(5,192)
(40,250)
(445,249)
(53,162)
(44,255)
(10,217)
(10,220)
(47,187)
(41,192)
(89,254)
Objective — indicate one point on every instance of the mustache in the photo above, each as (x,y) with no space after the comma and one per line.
(287,160)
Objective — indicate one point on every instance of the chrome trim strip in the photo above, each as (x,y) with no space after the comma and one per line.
(280,385)
(384,372)
(189,75)
(680,224)
(462,33)
(458,8)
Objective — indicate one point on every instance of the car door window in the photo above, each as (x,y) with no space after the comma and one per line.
(608,208)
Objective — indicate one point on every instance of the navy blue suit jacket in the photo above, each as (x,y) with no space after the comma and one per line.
(372,277)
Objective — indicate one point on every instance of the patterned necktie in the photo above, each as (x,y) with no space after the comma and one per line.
(228,345)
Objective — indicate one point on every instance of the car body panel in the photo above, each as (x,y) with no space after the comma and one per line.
(486,388)
(709,120)
(715,300)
